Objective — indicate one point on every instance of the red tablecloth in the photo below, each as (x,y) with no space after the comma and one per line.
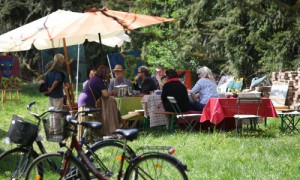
(217,109)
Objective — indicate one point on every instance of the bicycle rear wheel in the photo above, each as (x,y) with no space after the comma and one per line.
(106,156)
(14,162)
(156,166)
(49,166)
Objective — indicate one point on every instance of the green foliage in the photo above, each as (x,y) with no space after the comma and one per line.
(243,37)
(234,37)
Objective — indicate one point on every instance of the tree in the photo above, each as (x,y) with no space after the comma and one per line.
(243,38)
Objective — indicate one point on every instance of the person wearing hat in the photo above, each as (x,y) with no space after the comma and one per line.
(119,80)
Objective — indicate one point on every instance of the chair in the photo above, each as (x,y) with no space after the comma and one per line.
(189,119)
(289,119)
(252,102)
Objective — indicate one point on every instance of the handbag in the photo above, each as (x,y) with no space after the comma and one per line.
(98,103)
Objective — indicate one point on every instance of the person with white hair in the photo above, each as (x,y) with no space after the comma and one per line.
(204,89)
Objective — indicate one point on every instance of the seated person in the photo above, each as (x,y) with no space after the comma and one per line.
(174,87)
(91,75)
(147,84)
(160,77)
(119,80)
(204,89)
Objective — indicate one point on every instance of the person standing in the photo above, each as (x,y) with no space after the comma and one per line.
(54,80)
(147,84)
(119,80)
(204,89)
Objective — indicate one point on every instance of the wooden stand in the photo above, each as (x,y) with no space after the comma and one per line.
(3,99)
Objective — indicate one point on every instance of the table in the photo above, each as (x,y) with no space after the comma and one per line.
(152,104)
(217,109)
(289,120)
(127,104)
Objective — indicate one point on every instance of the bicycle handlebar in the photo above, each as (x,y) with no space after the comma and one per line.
(51,110)
(71,119)
(86,111)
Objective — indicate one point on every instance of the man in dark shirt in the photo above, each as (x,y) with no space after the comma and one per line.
(147,84)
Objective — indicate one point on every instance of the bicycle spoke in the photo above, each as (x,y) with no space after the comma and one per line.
(156,166)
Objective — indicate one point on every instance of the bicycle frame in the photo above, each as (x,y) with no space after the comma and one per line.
(69,153)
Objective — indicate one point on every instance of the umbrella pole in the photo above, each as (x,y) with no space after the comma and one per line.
(111,73)
(100,42)
(77,71)
(68,69)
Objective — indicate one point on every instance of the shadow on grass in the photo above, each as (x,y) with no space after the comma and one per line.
(271,131)
(2,133)
(258,133)
(2,137)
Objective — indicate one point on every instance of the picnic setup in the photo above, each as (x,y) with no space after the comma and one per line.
(149,90)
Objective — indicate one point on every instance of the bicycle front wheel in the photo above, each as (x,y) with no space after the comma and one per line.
(14,162)
(156,166)
(50,166)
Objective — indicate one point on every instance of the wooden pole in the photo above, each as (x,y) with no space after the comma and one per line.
(69,72)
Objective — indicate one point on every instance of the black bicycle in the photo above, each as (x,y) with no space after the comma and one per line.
(107,159)
(14,162)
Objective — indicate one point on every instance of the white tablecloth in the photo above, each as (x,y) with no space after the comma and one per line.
(151,104)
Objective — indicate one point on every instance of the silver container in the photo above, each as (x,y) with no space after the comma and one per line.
(121,90)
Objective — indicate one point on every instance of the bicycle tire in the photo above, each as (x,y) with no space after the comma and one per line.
(156,166)
(14,162)
(108,155)
(49,166)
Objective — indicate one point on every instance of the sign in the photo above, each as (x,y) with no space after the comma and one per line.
(130,61)
(9,72)
(278,94)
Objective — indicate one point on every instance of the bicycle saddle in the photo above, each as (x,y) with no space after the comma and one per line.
(92,125)
(128,134)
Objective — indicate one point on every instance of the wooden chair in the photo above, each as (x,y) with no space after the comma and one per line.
(254,102)
(188,119)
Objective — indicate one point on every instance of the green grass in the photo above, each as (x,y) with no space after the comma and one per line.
(265,154)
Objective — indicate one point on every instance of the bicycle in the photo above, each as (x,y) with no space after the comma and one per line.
(14,162)
(64,165)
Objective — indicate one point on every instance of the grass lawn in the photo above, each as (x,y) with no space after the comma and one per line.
(265,154)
